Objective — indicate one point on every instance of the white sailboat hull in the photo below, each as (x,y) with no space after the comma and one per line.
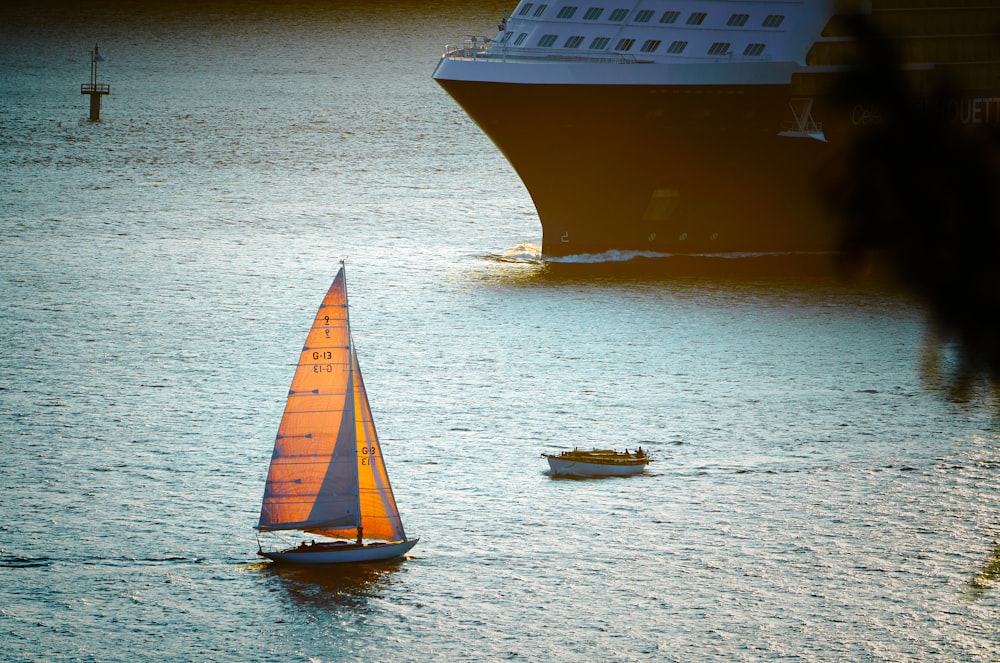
(343,553)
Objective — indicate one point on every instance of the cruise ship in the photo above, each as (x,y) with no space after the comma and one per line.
(698,126)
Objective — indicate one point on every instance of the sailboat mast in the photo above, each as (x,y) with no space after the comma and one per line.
(352,376)
(347,308)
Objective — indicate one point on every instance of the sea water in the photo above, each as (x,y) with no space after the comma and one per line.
(811,498)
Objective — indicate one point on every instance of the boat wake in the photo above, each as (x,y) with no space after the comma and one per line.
(655,264)
(10,561)
(607,256)
(522,253)
(526,252)
(533,253)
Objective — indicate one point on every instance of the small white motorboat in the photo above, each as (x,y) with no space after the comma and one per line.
(598,463)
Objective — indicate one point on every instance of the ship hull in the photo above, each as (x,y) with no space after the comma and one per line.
(678,170)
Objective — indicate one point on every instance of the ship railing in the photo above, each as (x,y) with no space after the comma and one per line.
(806,127)
(95,88)
(484,49)
(491,51)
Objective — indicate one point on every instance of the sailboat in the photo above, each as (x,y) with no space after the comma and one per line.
(327,477)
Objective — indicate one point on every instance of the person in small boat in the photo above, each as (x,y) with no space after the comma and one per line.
(640,453)
(360,540)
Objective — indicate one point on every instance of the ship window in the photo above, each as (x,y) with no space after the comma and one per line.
(618,15)
(525,8)
(624,44)
(773,21)
(650,45)
(719,48)
(593,13)
(520,38)
(644,16)
(541,10)
(753,49)
(567,12)
(670,17)
(738,20)
(696,18)
(506,37)
(677,47)
(599,43)
(573,42)
(547,40)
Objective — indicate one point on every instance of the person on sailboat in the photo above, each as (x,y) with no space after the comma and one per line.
(360,538)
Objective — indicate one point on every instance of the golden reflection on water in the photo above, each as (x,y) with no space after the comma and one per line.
(330,585)
(988,575)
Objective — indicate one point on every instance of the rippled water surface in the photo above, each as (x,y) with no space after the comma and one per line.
(810,498)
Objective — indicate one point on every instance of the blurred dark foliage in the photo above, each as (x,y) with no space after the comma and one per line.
(917,195)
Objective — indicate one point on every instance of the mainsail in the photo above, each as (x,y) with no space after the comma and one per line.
(327,474)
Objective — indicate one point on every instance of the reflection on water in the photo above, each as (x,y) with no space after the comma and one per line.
(330,585)
(988,575)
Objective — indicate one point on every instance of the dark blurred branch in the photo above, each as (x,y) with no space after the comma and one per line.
(919,193)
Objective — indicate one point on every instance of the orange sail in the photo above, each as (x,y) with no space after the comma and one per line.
(327,474)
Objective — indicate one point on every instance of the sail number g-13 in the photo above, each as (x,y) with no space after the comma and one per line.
(319,356)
